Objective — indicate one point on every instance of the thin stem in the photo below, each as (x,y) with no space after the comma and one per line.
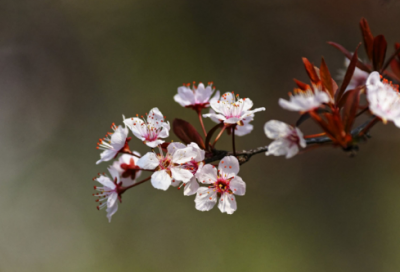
(369,126)
(233,140)
(130,153)
(136,184)
(201,122)
(315,135)
(218,136)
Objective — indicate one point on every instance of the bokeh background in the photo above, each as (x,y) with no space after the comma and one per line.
(68,69)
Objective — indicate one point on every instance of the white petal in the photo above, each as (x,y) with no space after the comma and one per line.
(205,199)
(275,129)
(154,143)
(111,211)
(184,155)
(161,180)
(243,130)
(155,118)
(181,101)
(227,203)
(137,126)
(186,95)
(200,153)
(247,104)
(106,182)
(215,98)
(164,133)
(107,155)
(191,187)
(229,166)
(172,147)
(207,174)
(373,81)
(181,174)
(278,147)
(238,186)
(114,173)
(148,161)
(202,94)
(112,199)
(302,143)
(118,138)
(287,105)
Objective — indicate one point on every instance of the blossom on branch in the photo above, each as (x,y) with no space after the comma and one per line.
(127,168)
(169,169)
(223,183)
(232,110)
(305,100)
(240,130)
(287,139)
(383,98)
(113,143)
(196,97)
(109,193)
(151,130)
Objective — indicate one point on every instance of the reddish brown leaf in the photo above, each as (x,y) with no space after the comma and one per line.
(379,52)
(392,57)
(348,55)
(350,108)
(310,71)
(367,37)
(164,146)
(326,77)
(303,86)
(187,133)
(348,76)
(395,66)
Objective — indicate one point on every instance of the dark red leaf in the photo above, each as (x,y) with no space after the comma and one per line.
(164,146)
(187,133)
(348,76)
(395,66)
(379,52)
(348,55)
(350,108)
(367,37)
(392,57)
(310,71)
(326,77)
(303,86)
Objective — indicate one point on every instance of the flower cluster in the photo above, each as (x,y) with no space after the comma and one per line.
(188,164)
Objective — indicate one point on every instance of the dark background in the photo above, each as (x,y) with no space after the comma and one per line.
(68,69)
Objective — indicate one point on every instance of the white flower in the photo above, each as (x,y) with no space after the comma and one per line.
(151,130)
(240,130)
(307,100)
(287,139)
(113,143)
(168,168)
(197,97)
(194,165)
(224,184)
(127,168)
(383,98)
(232,111)
(109,193)
(358,79)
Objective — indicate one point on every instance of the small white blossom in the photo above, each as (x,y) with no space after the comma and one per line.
(168,168)
(109,193)
(303,101)
(232,111)
(223,183)
(240,130)
(383,98)
(149,131)
(127,168)
(197,97)
(287,139)
(113,143)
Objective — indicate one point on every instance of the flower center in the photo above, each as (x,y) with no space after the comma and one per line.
(222,186)
(130,170)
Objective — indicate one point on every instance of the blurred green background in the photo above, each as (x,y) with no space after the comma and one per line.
(68,69)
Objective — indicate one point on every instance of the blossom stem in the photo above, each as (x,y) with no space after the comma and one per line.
(369,126)
(136,184)
(233,140)
(218,136)
(201,122)
(131,153)
(315,135)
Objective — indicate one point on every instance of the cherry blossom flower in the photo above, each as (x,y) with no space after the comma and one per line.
(168,168)
(240,130)
(149,131)
(197,97)
(383,98)
(194,165)
(127,168)
(109,193)
(113,143)
(358,79)
(307,100)
(287,139)
(231,110)
(223,183)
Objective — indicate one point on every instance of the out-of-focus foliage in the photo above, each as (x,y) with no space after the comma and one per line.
(68,69)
